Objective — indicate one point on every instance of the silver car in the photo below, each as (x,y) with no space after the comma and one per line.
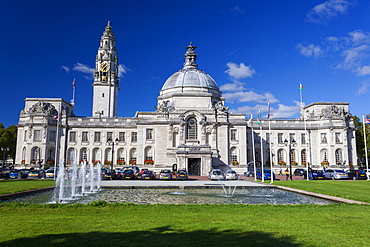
(335,174)
(165,174)
(232,175)
(216,174)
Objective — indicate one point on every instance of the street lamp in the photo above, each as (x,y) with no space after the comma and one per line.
(4,150)
(289,145)
(111,143)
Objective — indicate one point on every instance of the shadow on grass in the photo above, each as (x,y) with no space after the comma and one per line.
(164,236)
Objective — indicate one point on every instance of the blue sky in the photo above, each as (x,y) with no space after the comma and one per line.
(257,51)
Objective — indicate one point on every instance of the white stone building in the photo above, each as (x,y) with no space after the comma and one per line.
(190,126)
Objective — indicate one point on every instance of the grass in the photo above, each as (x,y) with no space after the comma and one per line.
(101,224)
(355,190)
(14,186)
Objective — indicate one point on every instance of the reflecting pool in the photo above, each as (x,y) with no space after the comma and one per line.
(185,196)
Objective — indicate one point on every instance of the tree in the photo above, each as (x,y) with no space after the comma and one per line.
(360,144)
(8,138)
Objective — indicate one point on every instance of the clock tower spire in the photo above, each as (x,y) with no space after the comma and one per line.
(106,76)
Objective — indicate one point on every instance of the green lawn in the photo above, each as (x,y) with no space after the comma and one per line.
(103,224)
(184,225)
(355,190)
(14,186)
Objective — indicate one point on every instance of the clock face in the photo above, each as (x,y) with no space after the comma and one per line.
(104,67)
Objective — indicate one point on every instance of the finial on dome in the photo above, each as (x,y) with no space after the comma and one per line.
(190,57)
(108,27)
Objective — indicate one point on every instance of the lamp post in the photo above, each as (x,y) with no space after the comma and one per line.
(111,143)
(4,150)
(289,145)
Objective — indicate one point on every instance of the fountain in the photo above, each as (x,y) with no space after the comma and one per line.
(75,182)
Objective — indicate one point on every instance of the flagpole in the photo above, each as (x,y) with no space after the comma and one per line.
(366,159)
(305,130)
(253,149)
(259,121)
(269,118)
(57,141)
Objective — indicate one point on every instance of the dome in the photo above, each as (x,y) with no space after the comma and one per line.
(190,77)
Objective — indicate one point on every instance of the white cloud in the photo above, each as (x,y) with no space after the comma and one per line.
(250,96)
(310,50)
(282,111)
(65,68)
(85,69)
(238,10)
(353,56)
(122,69)
(232,87)
(363,89)
(365,70)
(239,71)
(328,11)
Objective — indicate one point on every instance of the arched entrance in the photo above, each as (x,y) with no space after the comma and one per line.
(194,166)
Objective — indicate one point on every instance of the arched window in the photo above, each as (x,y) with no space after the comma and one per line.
(191,129)
(280,154)
(338,157)
(83,154)
(96,155)
(303,155)
(71,155)
(293,156)
(234,154)
(24,154)
(35,154)
(108,154)
(133,155)
(50,154)
(148,153)
(121,154)
(324,155)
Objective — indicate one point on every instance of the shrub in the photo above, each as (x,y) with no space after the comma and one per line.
(293,163)
(149,162)
(282,163)
(132,162)
(121,162)
(235,162)
(325,163)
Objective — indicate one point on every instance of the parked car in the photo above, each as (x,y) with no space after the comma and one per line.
(4,173)
(49,173)
(356,174)
(231,175)
(335,174)
(108,174)
(136,170)
(165,174)
(216,174)
(147,175)
(143,170)
(35,174)
(316,175)
(23,173)
(299,172)
(249,173)
(13,174)
(182,174)
(128,174)
(266,174)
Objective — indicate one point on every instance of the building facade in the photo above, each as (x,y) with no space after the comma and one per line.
(190,127)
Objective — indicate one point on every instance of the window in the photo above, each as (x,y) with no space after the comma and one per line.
(303,138)
(84,136)
(110,136)
(121,154)
(191,129)
(280,155)
(293,156)
(234,154)
(52,136)
(337,138)
(37,136)
(97,137)
(149,134)
(134,137)
(133,155)
(25,136)
(280,138)
(304,156)
(84,153)
(324,155)
(108,154)
(121,136)
(149,153)
(72,136)
(268,137)
(338,157)
(323,138)
(291,137)
(233,135)
(96,155)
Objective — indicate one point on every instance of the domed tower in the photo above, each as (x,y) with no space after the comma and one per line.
(190,87)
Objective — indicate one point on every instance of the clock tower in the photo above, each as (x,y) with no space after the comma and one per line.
(106,76)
